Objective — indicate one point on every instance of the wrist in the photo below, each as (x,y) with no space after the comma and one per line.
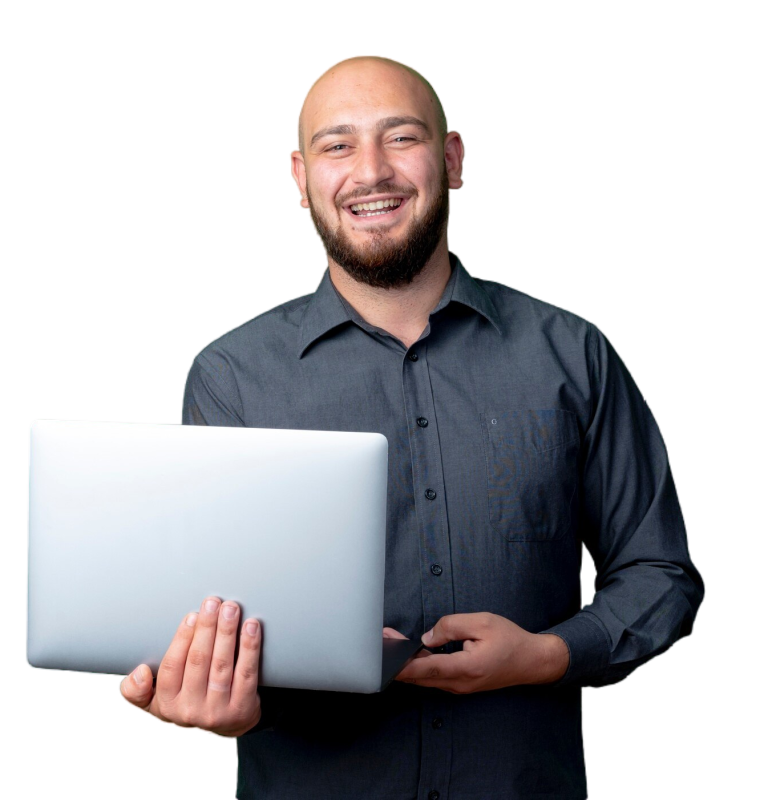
(552,658)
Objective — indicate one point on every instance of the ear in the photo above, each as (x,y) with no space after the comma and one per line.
(298,170)
(453,156)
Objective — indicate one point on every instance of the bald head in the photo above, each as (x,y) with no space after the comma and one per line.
(357,75)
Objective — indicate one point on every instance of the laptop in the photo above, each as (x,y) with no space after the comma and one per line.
(131,526)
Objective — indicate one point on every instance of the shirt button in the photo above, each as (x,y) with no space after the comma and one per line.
(430,494)
(437,722)
(422,422)
(412,356)
(436,569)
(433,795)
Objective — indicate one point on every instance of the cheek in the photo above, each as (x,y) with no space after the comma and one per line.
(421,172)
(325,185)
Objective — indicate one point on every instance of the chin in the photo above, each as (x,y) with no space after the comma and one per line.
(386,254)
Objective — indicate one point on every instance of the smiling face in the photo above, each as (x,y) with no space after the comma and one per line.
(376,169)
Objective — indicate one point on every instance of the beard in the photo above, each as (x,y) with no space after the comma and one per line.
(383,262)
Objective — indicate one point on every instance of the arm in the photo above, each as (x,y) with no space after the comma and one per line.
(647,589)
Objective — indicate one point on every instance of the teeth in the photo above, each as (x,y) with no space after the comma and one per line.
(377,206)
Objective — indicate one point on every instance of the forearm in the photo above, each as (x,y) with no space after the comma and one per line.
(647,588)
(634,617)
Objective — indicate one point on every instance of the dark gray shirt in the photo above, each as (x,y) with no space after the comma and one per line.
(515,435)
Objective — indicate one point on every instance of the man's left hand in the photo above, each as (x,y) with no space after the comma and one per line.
(497,653)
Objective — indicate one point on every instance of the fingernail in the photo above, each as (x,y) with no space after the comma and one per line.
(191,619)
(251,627)
(426,637)
(211,605)
(138,678)
(229,612)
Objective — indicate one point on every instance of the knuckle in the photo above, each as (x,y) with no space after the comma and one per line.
(210,721)
(170,665)
(243,708)
(160,709)
(249,673)
(183,720)
(185,717)
(249,643)
(221,665)
(196,658)
(206,621)
(226,629)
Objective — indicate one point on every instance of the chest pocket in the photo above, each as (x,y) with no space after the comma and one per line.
(531,467)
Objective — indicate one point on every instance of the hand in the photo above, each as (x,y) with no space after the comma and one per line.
(497,653)
(198,684)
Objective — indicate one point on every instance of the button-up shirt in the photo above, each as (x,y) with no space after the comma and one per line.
(516,435)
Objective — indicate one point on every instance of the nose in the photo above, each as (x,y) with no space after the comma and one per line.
(371,166)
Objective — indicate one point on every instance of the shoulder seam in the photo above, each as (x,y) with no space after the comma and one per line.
(305,296)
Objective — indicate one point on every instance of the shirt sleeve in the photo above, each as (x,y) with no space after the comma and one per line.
(647,588)
(211,398)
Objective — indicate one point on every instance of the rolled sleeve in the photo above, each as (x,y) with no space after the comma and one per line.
(647,588)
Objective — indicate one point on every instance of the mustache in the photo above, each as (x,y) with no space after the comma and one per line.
(382,188)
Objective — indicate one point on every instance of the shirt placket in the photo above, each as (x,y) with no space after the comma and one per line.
(435,559)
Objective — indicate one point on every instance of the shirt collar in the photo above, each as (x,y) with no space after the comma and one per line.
(327,310)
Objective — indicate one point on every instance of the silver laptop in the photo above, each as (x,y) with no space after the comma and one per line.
(132,525)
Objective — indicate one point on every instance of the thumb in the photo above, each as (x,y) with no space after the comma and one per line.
(452,628)
(138,686)
(436,636)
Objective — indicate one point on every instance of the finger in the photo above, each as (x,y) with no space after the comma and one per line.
(438,669)
(456,627)
(198,663)
(223,657)
(391,633)
(172,667)
(245,680)
(137,687)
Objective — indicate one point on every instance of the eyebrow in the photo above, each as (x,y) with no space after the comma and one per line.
(381,125)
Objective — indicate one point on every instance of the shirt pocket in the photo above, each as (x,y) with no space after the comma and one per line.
(532,475)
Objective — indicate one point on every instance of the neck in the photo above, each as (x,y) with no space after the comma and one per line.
(402,311)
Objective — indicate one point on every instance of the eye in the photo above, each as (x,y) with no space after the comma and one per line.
(402,141)
(336,148)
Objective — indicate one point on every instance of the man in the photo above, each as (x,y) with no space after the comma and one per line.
(515,434)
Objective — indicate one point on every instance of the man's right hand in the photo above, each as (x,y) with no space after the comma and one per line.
(198,683)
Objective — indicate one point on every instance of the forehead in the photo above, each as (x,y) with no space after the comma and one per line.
(363,93)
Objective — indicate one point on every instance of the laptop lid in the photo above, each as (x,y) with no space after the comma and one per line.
(132,525)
